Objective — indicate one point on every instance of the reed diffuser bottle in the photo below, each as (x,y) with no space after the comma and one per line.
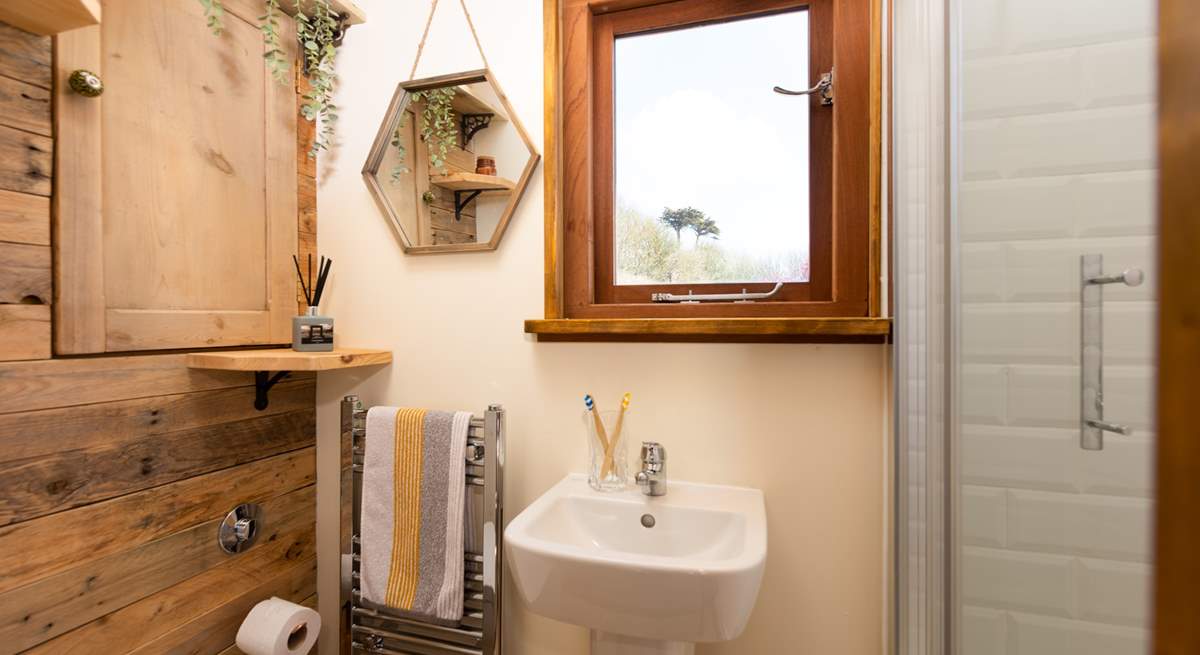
(312,332)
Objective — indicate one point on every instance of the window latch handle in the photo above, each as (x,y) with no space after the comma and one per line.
(823,87)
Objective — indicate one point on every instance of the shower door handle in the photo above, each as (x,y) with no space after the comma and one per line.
(1092,425)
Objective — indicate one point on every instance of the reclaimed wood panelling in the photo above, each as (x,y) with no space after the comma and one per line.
(26,330)
(25,435)
(60,603)
(34,549)
(24,218)
(26,152)
(306,188)
(26,161)
(216,628)
(26,106)
(114,476)
(28,386)
(306,220)
(26,56)
(116,472)
(164,622)
(443,220)
(306,131)
(26,273)
(68,479)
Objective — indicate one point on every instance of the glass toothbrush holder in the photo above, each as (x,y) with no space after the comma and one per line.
(608,472)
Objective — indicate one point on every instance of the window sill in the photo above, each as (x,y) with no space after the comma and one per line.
(785,330)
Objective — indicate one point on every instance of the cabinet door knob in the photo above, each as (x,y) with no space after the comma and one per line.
(86,83)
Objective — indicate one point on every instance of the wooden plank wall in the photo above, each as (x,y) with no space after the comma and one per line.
(116,471)
(114,475)
(26,163)
(306,178)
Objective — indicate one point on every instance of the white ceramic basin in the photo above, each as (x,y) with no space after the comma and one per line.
(584,557)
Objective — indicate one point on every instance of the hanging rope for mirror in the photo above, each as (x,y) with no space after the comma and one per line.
(425,35)
(437,115)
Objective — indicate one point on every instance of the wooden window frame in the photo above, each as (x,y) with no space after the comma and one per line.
(606,299)
(842,296)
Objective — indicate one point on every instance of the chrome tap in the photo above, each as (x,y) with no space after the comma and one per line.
(653,476)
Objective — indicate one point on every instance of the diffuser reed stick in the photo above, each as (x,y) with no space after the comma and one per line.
(322,275)
(303,287)
(313,291)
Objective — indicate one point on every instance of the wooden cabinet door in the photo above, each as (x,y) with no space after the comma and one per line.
(176,189)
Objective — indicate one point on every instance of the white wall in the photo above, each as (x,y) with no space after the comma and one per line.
(1057,160)
(802,422)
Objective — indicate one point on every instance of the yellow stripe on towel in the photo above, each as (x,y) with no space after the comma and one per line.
(406,524)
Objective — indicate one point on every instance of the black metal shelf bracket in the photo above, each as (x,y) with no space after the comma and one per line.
(461,203)
(339,35)
(263,381)
(472,124)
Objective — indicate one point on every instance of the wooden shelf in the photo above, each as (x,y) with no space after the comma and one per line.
(467,102)
(50,17)
(286,359)
(472,182)
(853,330)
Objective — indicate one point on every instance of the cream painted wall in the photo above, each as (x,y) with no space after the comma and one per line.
(801,422)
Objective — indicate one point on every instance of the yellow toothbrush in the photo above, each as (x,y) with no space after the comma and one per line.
(612,445)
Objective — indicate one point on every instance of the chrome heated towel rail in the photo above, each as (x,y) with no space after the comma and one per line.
(375,629)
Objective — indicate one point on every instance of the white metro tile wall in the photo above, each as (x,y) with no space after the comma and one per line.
(1057,154)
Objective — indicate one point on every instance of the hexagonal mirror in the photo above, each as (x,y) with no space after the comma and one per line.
(450,163)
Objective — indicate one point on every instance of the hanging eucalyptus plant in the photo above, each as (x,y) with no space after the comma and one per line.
(317,34)
(438,129)
(276,60)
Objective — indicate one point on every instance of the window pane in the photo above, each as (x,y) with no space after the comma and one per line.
(711,164)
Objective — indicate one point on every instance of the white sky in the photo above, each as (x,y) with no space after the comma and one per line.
(698,124)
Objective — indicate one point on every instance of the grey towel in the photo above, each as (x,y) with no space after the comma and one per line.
(412,512)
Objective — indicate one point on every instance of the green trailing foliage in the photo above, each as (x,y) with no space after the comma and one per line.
(214,14)
(316,34)
(439,130)
(276,59)
(401,151)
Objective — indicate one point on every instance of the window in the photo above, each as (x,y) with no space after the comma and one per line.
(704,148)
(684,172)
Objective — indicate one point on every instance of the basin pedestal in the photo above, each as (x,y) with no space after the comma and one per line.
(608,643)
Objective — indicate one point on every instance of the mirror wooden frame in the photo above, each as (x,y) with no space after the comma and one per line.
(379,148)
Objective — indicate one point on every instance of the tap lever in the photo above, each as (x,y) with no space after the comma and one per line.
(653,476)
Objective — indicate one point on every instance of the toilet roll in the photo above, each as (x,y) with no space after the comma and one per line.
(279,627)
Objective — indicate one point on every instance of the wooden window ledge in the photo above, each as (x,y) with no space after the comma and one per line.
(803,330)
